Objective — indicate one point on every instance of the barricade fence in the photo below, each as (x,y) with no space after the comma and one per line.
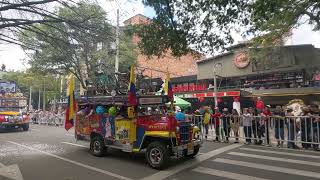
(288,131)
(47,118)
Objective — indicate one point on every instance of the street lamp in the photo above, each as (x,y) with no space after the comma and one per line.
(215,67)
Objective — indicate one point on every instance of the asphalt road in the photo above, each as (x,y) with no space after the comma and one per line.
(51,153)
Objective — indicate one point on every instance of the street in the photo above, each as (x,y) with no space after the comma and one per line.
(47,152)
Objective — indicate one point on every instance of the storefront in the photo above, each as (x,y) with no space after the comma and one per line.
(277,74)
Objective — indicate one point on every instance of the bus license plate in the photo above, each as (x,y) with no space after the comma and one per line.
(190,148)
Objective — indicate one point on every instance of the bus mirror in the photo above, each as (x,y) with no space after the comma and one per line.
(130,112)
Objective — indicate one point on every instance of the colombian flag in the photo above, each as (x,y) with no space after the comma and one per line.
(168,87)
(70,111)
(132,98)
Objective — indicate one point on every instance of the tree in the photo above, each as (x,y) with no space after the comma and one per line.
(24,80)
(207,26)
(63,48)
(19,15)
(3,67)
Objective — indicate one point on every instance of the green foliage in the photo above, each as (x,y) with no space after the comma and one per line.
(28,79)
(78,48)
(207,26)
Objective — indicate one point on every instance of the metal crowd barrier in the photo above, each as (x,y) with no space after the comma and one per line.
(288,131)
(47,119)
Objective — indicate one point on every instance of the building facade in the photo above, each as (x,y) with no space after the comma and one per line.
(156,67)
(278,75)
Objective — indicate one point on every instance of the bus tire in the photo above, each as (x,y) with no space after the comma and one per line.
(195,152)
(157,155)
(97,147)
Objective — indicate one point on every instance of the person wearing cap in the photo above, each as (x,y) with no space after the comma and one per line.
(259,105)
(291,128)
(247,124)
(216,117)
(235,124)
(206,120)
(305,127)
(264,123)
(180,116)
(279,117)
(226,123)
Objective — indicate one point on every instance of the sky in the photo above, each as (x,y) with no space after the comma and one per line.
(13,56)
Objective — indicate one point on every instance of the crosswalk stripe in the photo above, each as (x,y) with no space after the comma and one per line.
(225,174)
(281,153)
(275,158)
(269,168)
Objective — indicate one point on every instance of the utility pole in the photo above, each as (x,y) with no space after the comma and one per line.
(39,100)
(44,96)
(117,44)
(215,67)
(215,88)
(30,98)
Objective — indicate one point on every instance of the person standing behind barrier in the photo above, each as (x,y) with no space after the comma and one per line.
(315,126)
(265,116)
(216,117)
(291,129)
(305,127)
(226,123)
(279,117)
(255,126)
(259,105)
(247,124)
(206,120)
(235,123)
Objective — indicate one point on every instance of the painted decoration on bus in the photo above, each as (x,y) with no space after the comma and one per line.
(7,87)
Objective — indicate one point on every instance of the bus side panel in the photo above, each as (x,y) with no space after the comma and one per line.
(86,125)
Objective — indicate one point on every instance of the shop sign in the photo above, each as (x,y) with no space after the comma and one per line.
(241,60)
(219,94)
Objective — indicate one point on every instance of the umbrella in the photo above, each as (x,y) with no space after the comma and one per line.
(180,102)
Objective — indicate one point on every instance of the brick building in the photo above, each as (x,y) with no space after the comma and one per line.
(155,67)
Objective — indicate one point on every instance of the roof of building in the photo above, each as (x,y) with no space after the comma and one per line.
(141,15)
(243,44)
(215,57)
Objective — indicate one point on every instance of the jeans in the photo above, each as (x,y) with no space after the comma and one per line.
(279,134)
(206,127)
(306,132)
(316,135)
(291,135)
(226,129)
(112,124)
(248,133)
(217,128)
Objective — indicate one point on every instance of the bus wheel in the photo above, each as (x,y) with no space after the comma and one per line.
(195,152)
(97,147)
(157,155)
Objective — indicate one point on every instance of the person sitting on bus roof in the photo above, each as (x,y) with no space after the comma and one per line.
(180,116)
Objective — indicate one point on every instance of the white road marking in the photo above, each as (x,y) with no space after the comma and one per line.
(269,168)
(166,173)
(225,174)
(282,153)
(74,162)
(70,134)
(275,159)
(35,130)
(11,172)
(79,145)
